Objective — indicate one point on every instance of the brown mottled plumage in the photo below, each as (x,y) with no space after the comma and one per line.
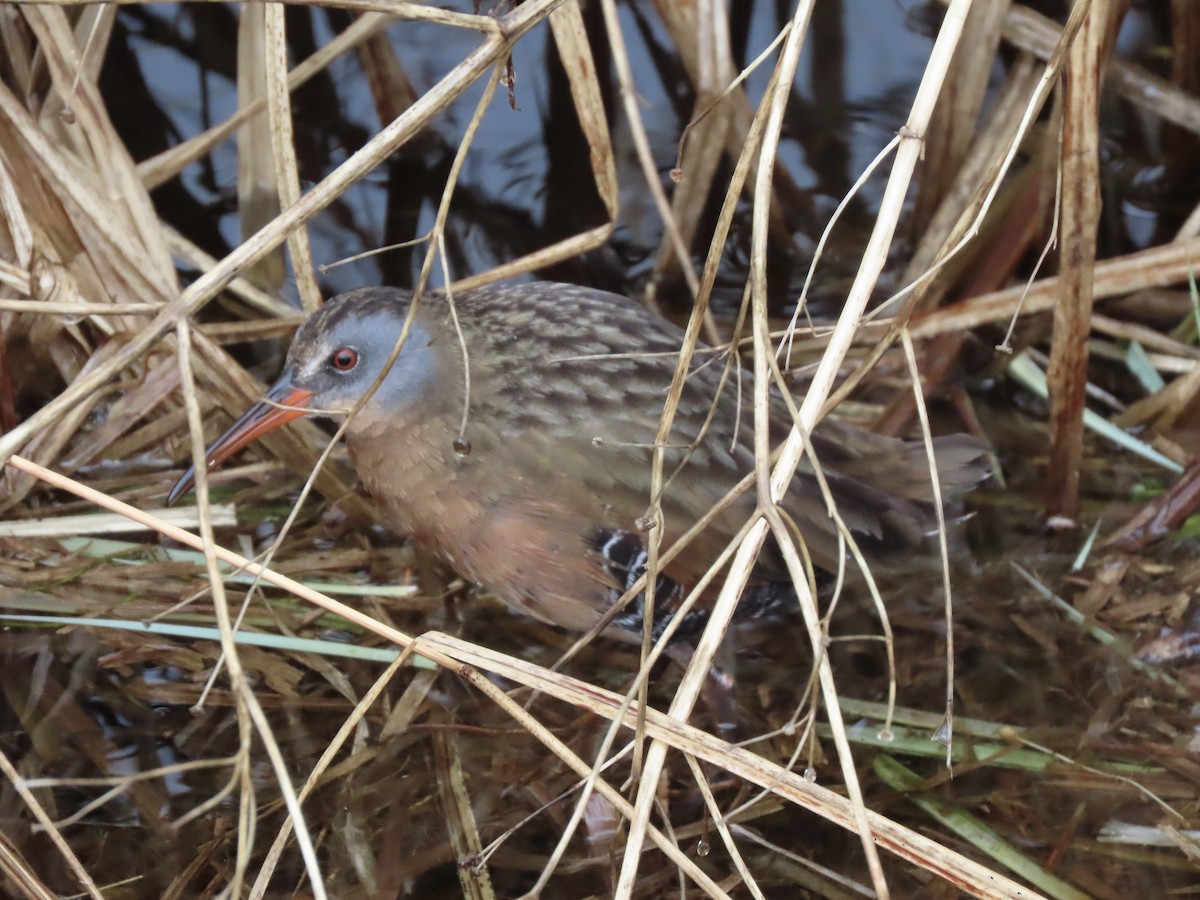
(566,388)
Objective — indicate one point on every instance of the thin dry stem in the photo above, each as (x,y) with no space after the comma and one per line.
(39,812)
(910,356)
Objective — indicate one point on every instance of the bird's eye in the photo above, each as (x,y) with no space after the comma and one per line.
(344,359)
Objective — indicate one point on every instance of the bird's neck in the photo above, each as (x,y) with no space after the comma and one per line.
(402,441)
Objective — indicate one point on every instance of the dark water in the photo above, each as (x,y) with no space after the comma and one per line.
(526,183)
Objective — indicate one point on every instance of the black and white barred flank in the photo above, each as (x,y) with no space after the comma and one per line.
(624,555)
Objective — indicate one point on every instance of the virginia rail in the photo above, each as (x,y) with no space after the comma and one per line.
(538,496)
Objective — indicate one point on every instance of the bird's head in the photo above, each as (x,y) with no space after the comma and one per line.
(336,358)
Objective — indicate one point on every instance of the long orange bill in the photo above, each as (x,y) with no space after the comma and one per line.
(283,404)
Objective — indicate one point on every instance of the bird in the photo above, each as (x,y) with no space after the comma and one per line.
(512,438)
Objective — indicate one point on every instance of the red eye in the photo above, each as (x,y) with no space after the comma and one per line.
(344,359)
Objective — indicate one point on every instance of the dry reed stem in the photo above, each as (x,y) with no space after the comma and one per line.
(250,716)
(702,144)
(654,514)
(990,183)
(747,553)
(460,820)
(262,880)
(768,499)
(239,287)
(952,130)
(258,174)
(1161,266)
(1036,34)
(120,783)
(125,209)
(745,165)
(1066,376)
(683,258)
(406,9)
(18,872)
(56,836)
(642,144)
(975,180)
(575,54)
(787,785)
(914,374)
(718,817)
(158,170)
(222,516)
(701,662)
(971,219)
(284,152)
